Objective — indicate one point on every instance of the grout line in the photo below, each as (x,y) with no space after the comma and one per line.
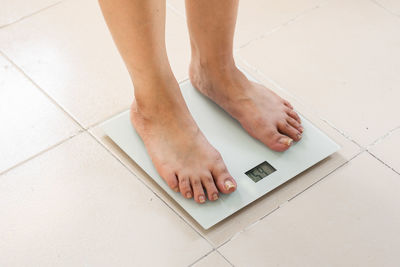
(334,170)
(81,129)
(344,134)
(363,149)
(29,15)
(280,206)
(41,152)
(95,124)
(148,187)
(257,221)
(383,137)
(246,228)
(114,114)
(298,99)
(222,255)
(202,257)
(280,26)
(384,163)
(385,8)
(43,91)
(275,84)
(206,255)
(379,140)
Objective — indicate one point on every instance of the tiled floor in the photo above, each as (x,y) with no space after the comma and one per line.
(70,197)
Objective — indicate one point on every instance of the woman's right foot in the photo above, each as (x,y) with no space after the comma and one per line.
(179,151)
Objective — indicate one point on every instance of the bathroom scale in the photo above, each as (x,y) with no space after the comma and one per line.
(256,168)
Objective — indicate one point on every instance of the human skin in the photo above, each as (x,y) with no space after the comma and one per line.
(179,150)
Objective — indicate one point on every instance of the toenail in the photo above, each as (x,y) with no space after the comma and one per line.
(299,136)
(229,185)
(286,141)
(215,196)
(188,195)
(202,199)
(301,129)
(176,189)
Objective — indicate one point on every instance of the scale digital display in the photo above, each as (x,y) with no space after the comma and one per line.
(260,171)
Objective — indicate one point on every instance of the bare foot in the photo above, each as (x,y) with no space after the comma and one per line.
(262,113)
(180,152)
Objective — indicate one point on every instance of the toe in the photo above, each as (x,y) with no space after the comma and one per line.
(286,103)
(208,183)
(184,187)
(295,124)
(286,129)
(293,114)
(224,181)
(171,180)
(198,191)
(275,140)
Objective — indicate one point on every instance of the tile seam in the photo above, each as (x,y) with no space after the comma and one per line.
(385,8)
(377,142)
(223,256)
(97,123)
(29,15)
(290,199)
(80,130)
(382,138)
(233,237)
(41,152)
(383,162)
(201,257)
(148,187)
(293,19)
(279,87)
(325,176)
(52,100)
(83,129)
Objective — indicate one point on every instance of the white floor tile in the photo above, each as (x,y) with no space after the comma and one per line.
(211,260)
(13,10)
(393,6)
(343,60)
(351,218)
(77,205)
(221,232)
(387,150)
(29,121)
(68,51)
(256,18)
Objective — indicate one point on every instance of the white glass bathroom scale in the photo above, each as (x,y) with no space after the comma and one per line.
(256,169)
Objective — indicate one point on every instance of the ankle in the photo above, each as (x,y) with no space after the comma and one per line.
(213,63)
(153,88)
(208,73)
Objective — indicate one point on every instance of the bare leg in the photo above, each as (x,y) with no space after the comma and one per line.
(178,149)
(264,115)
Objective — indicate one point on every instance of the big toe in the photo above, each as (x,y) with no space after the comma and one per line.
(276,141)
(224,181)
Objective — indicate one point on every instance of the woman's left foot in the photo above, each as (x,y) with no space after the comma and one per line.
(262,113)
